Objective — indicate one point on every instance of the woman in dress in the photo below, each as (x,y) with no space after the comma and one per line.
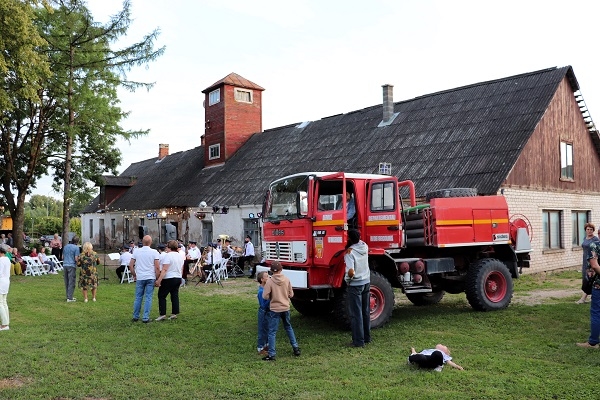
(589,238)
(88,278)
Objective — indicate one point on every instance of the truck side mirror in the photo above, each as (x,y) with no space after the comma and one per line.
(302,203)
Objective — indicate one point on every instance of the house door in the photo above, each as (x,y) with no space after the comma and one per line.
(207,232)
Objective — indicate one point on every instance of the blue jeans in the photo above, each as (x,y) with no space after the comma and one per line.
(358,298)
(273,318)
(263,329)
(145,288)
(595,317)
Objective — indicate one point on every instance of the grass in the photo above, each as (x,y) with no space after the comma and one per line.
(59,350)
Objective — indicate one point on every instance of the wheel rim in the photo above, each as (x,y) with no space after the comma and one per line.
(376,302)
(495,287)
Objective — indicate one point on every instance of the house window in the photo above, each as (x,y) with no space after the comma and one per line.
(113,228)
(382,196)
(551,229)
(126,230)
(578,220)
(214,97)
(242,95)
(566,161)
(214,151)
(91,229)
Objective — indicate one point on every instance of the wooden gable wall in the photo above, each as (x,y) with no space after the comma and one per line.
(538,166)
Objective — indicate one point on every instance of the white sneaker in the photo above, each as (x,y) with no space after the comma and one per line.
(6,328)
(161,318)
(71,300)
(85,301)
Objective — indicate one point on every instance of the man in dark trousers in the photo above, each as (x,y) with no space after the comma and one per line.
(358,278)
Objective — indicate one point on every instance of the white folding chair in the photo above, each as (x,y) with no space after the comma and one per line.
(127,275)
(222,270)
(213,275)
(31,267)
(58,265)
(44,268)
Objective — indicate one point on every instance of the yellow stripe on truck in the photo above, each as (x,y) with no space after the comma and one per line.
(471,221)
(329,223)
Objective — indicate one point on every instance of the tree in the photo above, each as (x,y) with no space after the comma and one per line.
(74,114)
(23,69)
(91,71)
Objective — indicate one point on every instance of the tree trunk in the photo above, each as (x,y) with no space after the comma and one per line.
(69,155)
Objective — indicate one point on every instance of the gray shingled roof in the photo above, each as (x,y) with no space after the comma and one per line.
(465,137)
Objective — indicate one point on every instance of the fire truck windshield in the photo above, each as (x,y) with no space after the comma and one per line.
(283,196)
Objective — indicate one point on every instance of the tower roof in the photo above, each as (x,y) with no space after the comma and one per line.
(234,79)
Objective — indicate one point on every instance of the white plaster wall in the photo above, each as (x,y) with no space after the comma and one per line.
(531,203)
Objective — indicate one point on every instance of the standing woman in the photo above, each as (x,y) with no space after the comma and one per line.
(88,278)
(589,238)
(56,247)
(4,285)
(169,280)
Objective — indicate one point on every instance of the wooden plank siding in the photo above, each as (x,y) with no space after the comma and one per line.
(538,166)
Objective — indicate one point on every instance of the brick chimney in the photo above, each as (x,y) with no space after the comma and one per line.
(163,151)
(388,102)
(232,114)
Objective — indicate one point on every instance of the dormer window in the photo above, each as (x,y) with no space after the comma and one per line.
(214,151)
(214,97)
(243,95)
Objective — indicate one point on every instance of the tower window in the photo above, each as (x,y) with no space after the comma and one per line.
(214,151)
(214,97)
(242,95)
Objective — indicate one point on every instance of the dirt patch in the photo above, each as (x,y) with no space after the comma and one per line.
(536,297)
(14,382)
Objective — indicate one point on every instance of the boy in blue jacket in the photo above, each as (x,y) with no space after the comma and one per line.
(263,307)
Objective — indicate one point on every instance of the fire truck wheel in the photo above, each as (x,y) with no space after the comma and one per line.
(425,299)
(381,303)
(489,285)
(312,308)
(453,192)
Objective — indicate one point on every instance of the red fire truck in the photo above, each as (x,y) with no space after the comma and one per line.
(454,242)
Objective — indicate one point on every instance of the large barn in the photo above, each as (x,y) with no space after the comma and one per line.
(527,137)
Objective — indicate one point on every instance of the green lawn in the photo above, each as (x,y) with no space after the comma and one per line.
(59,350)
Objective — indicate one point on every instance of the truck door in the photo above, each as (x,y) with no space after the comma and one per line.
(329,227)
(382,219)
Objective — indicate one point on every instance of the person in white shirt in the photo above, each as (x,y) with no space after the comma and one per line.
(45,260)
(192,257)
(144,267)
(169,280)
(4,286)
(124,260)
(248,255)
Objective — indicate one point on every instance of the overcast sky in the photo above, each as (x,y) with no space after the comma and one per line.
(318,58)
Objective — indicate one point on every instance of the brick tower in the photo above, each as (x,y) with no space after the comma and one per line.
(233,113)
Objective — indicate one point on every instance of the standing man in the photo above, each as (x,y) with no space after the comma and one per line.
(248,255)
(56,247)
(144,267)
(279,290)
(594,338)
(71,255)
(358,278)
